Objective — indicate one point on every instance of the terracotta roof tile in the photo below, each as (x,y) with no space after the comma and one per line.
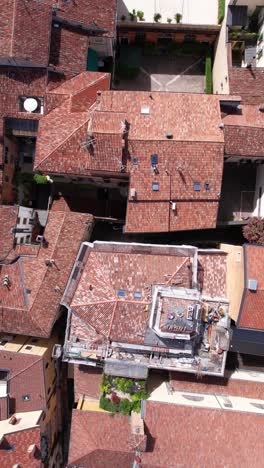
(78,83)
(252,306)
(86,381)
(98,439)
(114,292)
(187,443)
(193,432)
(8,217)
(31,305)
(193,117)
(20,441)
(26,377)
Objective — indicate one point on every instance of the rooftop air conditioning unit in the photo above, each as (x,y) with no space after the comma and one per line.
(253,284)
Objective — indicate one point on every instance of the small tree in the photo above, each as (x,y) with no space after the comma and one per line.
(140,15)
(254,231)
(169,20)
(133,15)
(157,17)
(178,17)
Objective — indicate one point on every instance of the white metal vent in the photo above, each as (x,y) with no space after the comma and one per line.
(145,110)
(252,284)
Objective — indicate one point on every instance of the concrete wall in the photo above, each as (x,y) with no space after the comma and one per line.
(192,11)
(259,192)
(220,67)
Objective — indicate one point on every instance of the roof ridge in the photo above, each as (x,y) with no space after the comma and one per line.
(66,139)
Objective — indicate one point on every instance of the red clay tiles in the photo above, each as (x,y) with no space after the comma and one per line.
(31,303)
(252,307)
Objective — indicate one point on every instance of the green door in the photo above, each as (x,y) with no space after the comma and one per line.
(92,60)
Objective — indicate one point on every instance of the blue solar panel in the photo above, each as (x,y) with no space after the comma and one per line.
(154,159)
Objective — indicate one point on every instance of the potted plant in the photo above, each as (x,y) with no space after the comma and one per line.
(178,17)
(133,15)
(140,15)
(123,18)
(157,17)
(169,20)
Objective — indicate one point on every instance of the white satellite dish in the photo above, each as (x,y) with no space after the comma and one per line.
(30,104)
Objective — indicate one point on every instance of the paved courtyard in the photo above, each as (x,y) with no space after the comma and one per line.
(168,73)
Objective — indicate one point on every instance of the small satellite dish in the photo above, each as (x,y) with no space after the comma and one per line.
(30,104)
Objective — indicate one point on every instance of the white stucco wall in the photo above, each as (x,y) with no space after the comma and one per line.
(192,11)
(259,201)
(220,67)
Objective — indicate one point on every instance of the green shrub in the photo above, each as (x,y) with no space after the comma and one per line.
(136,406)
(125,406)
(221,10)
(140,15)
(40,179)
(157,17)
(208,75)
(140,395)
(108,405)
(123,385)
(178,17)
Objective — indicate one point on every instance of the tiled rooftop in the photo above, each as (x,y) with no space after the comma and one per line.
(97,439)
(30,303)
(8,217)
(100,433)
(252,305)
(124,289)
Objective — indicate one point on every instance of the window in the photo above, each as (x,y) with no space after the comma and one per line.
(155,186)
(207,186)
(21,240)
(154,160)
(135,161)
(196,186)
(137,295)
(18,220)
(28,239)
(24,220)
(6,178)
(121,292)
(47,365)
(28,348)
(26,397)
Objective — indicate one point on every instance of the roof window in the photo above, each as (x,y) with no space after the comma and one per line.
(154,160)
(155,186)
(137,294)
(121,293)
(196,186)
